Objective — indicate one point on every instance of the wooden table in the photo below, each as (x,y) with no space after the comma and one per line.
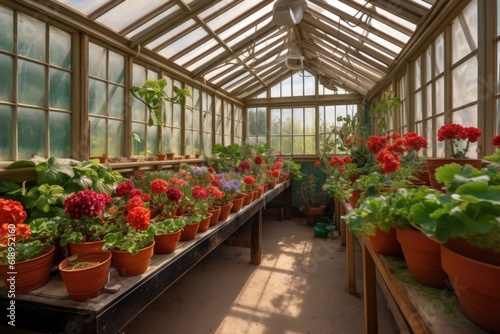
(49,309)
(423,309)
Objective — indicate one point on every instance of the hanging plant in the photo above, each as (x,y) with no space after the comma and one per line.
(152,94)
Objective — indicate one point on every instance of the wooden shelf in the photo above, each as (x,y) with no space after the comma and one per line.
(49,308)
(425,309)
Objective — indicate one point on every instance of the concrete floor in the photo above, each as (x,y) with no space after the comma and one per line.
(300,287)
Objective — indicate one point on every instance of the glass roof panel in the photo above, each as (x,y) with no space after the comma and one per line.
(182,43)
(152,21)
(205,59)
(171,34)
(127,12)
(85,7)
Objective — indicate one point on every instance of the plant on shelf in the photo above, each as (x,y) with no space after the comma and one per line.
(469,209)
(16,243)
(153,94)
(169,225)
(495,158)
(85,210)
(459,138)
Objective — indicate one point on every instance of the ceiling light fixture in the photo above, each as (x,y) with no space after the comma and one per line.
(288,12)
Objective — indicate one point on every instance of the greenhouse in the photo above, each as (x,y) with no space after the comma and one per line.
(250,166)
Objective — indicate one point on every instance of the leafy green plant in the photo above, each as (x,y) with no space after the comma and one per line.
(383,108)
(132,241)
(153,94)
(470,208)
(170,225)
(45,201)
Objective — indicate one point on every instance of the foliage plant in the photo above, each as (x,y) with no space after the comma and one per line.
(152,94)
(470,208)
(310,194)
(383,109)
(169,225)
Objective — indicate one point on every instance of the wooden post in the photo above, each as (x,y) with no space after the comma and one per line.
(256,239)
(370,291)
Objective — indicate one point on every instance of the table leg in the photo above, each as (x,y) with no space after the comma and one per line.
(256,239)
(370,292)
(351,270)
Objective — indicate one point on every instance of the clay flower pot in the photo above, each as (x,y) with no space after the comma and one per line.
(189,231)
(386,242)
(132,265)
(30,274)
(225,211)
(205,223)
(215,211)
(166,243)
(85,247)
(86,282)
(237,203)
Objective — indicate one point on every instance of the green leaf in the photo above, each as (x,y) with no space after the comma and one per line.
(53,172)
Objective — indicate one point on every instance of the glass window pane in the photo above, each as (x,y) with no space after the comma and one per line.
(6,29)
(439,89)
(97,61)
(298,145)
(196,142)
(275,122)
(60,48)
(6,66)
(196,119)
(417,69)
(97,97)
(177,115)
(116,102)
(188,118)
(31,37)
(5,133)
(31,132)
(286,121)
(465,83)
(138,148)
(261,122)
(116,67)
(310,145)
(167,140)
(207,121)
(309,84)
(298,121)
(464,32)
(176,141)
(115,134)
(439,55)
(418,106)
(286,145)
(60,134)
(207,144)
(97,136)
(60,89)
(310,121)
(31,81)
(276,144)
(153,140)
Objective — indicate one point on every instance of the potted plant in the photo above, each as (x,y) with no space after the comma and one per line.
(25,262)
(167,234)
(458,138)
(314,199)
(132,245)
(85,227)
(85,275)
(465,221)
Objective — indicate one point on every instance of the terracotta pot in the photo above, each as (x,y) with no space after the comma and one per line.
(476,286)
(260,191)
(86,283)
(423,257)
(225,211)
(215,211)
(187,156)
(312,214)
(434,163)
(132,265)
(166,243)
(170,156)
(248,198)
(385,242)
(205,223)
(237,203)
(354,199)
(161,157)
(271,185)
(462,247)
(85,247)
(31,274)
(189,231)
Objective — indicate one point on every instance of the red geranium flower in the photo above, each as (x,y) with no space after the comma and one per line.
(258,160)
(158,186)
(134,202)
(174,195)
(455,133)
(496,141)
(11,212)
(86,203)
(199,193)
(124,188)
(139,218)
